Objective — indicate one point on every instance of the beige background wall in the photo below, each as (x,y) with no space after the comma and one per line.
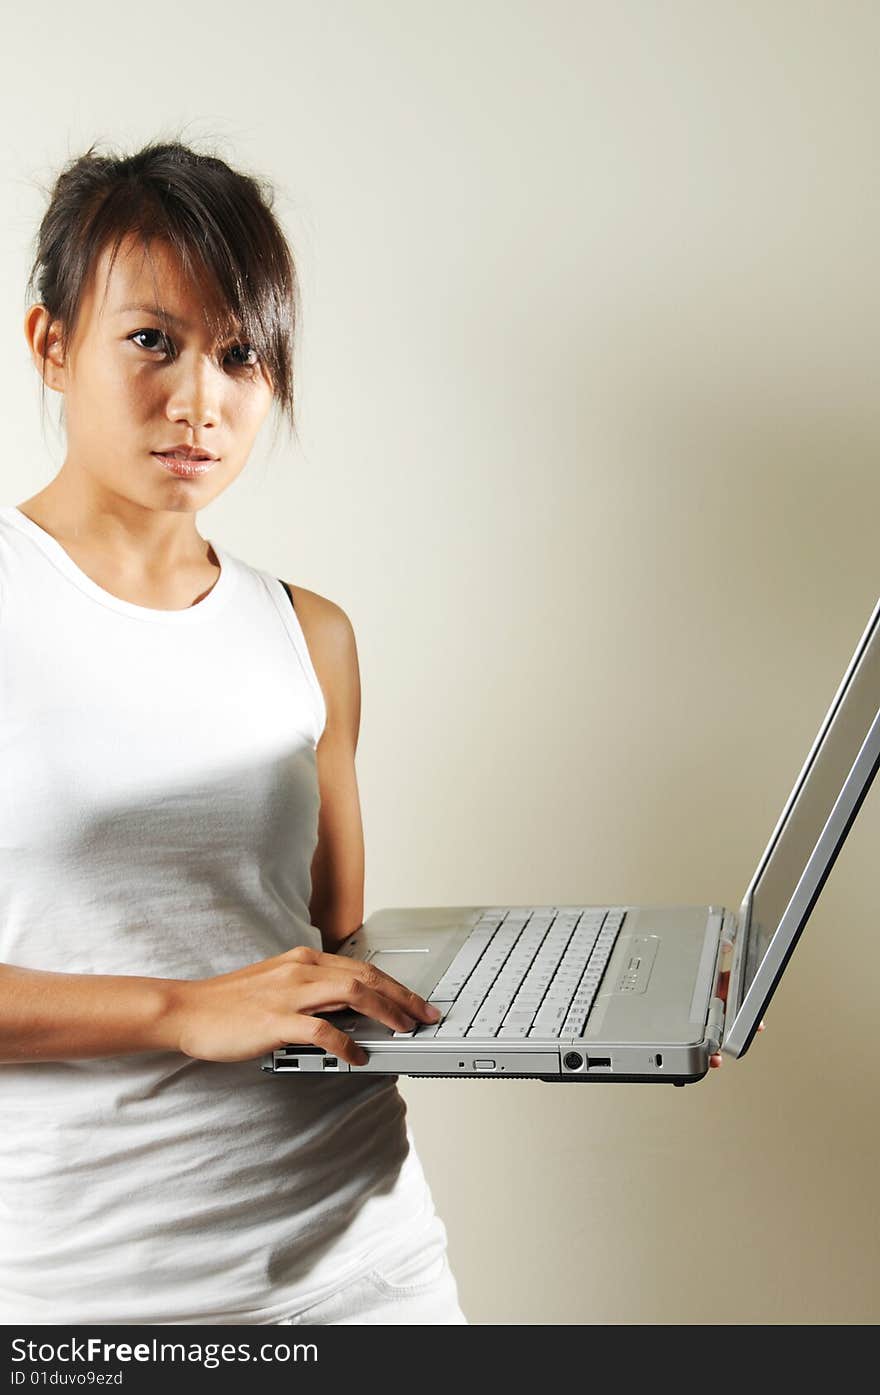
(588,451)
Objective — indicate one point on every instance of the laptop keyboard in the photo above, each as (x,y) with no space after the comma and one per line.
(523,973)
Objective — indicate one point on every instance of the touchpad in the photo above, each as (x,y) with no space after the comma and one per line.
(411,967)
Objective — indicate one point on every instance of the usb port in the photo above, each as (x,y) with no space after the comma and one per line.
(598,1061)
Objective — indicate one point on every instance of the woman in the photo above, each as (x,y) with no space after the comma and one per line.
(181,848)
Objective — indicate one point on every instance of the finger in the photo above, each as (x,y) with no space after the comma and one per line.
(376,981)
(320,991)
(318,1032)
(716,1060)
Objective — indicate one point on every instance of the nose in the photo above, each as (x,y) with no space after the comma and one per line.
(195,398)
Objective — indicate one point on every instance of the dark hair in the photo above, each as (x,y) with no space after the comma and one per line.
(219,222)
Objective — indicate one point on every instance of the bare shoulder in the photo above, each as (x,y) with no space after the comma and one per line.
(324,623)
(330,637)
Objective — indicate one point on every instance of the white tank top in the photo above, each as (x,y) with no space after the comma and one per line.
(158,816)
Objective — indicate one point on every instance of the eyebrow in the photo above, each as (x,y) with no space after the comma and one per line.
(157,311)
(160,313)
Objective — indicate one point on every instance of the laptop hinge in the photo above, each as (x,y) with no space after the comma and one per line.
(707,973)
(715,1025)
(716,1018)
(741,927)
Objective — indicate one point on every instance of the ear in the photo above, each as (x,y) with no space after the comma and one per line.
(40,331)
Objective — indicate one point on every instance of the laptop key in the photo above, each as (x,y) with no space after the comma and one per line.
(486,1023)
(519,1017)
(548,1023)
(427,1029)
(422,1032)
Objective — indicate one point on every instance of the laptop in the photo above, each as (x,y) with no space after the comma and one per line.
(616,993)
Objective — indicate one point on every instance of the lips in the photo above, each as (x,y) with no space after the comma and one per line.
(185,453)
(184,466)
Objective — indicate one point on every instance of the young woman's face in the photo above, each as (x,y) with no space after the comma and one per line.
(130,391)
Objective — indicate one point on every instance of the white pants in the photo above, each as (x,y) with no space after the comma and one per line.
(414,1284)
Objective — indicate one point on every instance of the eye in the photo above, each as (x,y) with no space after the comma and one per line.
(248,348)
(252,362)
(140,332)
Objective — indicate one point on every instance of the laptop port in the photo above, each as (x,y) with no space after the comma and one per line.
(594,1061)
(573,1060)
(330,1063)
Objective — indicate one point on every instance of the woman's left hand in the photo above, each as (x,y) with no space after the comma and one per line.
(721,992)
(718,1059)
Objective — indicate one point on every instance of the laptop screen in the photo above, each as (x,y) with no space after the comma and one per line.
(785,882)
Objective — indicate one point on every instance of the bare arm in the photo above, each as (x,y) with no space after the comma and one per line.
(238,1016)
(337,898)
(57,1017)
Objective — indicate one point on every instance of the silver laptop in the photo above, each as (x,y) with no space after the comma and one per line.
(628,993)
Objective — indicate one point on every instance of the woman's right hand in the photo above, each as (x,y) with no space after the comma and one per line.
(252,1011)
